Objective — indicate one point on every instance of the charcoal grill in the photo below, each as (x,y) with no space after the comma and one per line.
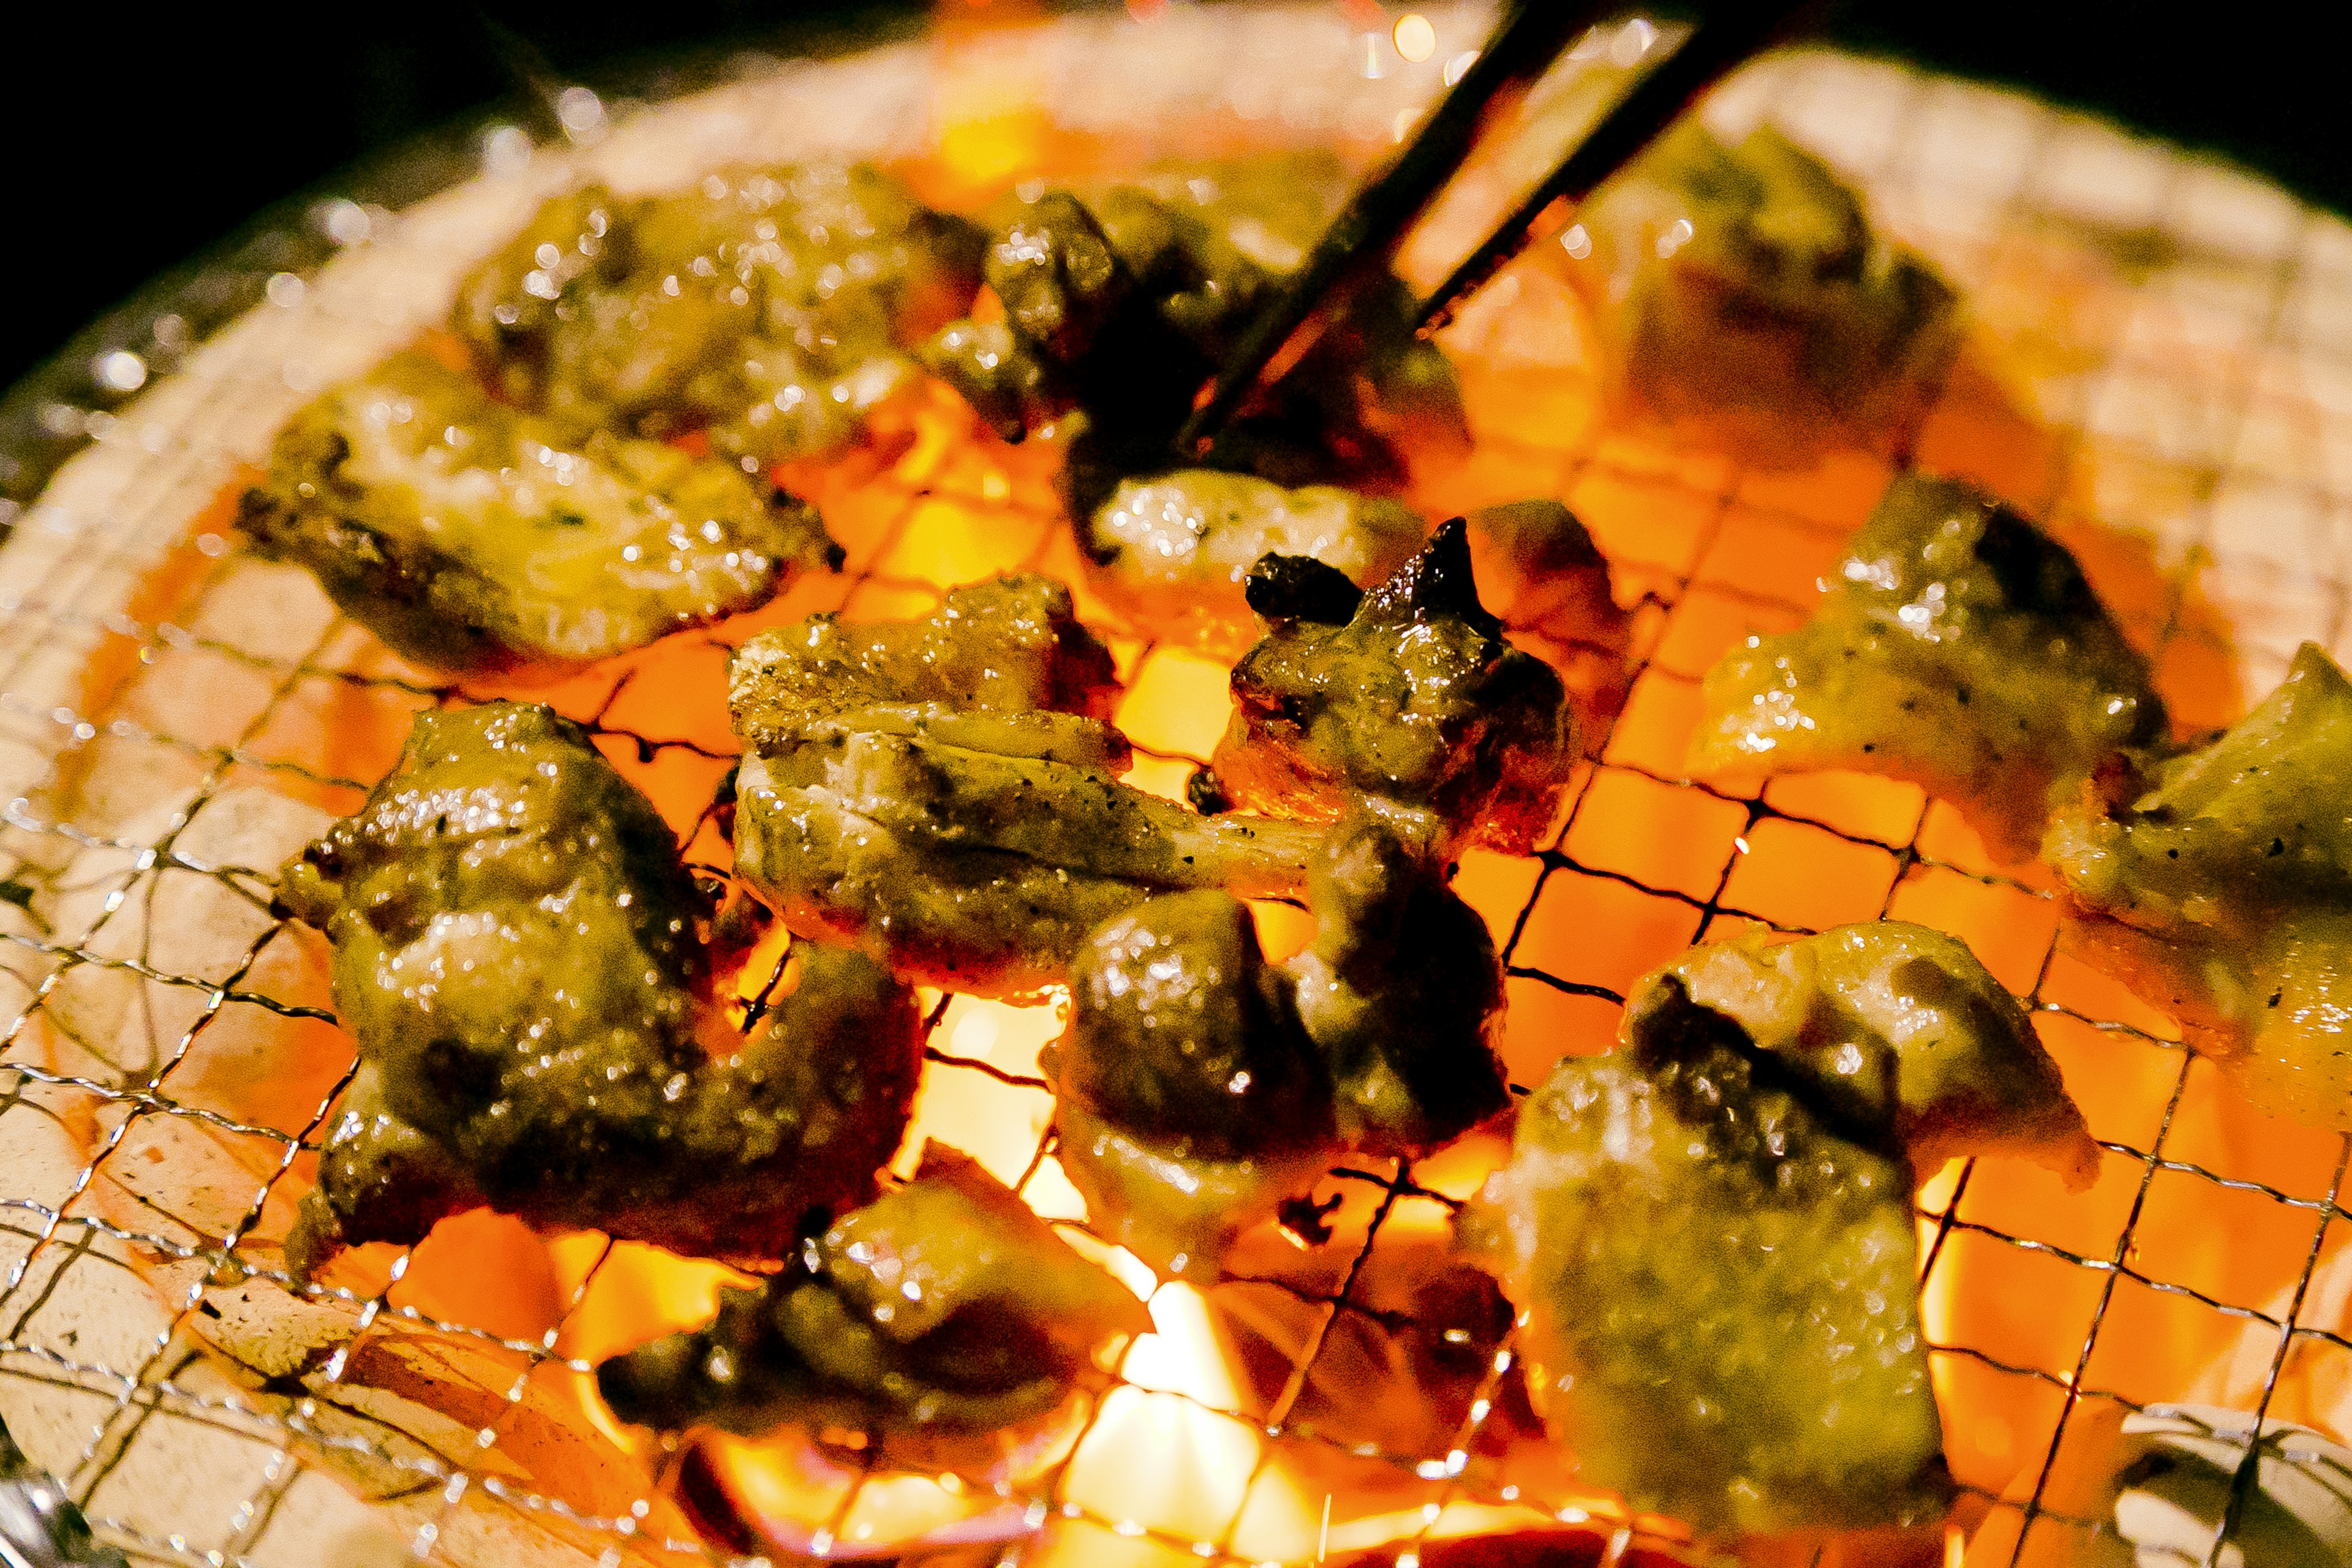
(2160,368)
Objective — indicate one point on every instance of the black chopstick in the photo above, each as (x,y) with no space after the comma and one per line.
(1702,58)
(1369,229)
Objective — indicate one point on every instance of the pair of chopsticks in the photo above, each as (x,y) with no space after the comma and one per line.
(1363,239)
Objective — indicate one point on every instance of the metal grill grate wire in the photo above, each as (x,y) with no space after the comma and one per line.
(134,1402)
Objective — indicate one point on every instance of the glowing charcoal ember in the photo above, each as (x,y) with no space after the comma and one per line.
(473,538)
(942,792)
(1744,304)
(2215,885)
(1960,649)
(519,952)
(1200,1088)
(1407,696)
(784,1492)
(1710,1230)
(944,1320)
(766,309)
(1172,553)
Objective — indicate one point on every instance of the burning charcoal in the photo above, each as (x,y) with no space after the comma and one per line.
(518,953)
(1744,302)
(1960,649)
(944,1321)
(2217,884)
(471,537)
(1710,1230)
(1200,1088)
(944,793)
(1416,702)
(768,309)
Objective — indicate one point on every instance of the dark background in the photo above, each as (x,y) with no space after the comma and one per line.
(136,139)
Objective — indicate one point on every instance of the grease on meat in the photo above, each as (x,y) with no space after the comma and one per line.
(770,309)
(1198,1085)
(1959,648)
(2217,885)
(518,951)
(474,538)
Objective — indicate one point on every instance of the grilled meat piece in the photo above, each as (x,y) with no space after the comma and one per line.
(944,793)
(1415,702)
(1175,552)
(1959,648)
(1120,303)
(1199,1086)
(769,308)
(1720,1310)
(944,1320)
(1709,1231)
(1744,302)
(2217,885)
(474,538)
(518,953)
(1542,575)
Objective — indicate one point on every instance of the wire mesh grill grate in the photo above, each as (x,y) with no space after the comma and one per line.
(2172,327)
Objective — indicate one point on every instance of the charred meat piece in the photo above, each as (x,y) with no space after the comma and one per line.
(473,538)
(1959,648)
(1709,1231)
(1899,1025)
(518,951)
(944,1320)
(2217,885)
(768,308)
(1414,701)
(1200,1086)
(944,793)
(1117,303)
(1744,303)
